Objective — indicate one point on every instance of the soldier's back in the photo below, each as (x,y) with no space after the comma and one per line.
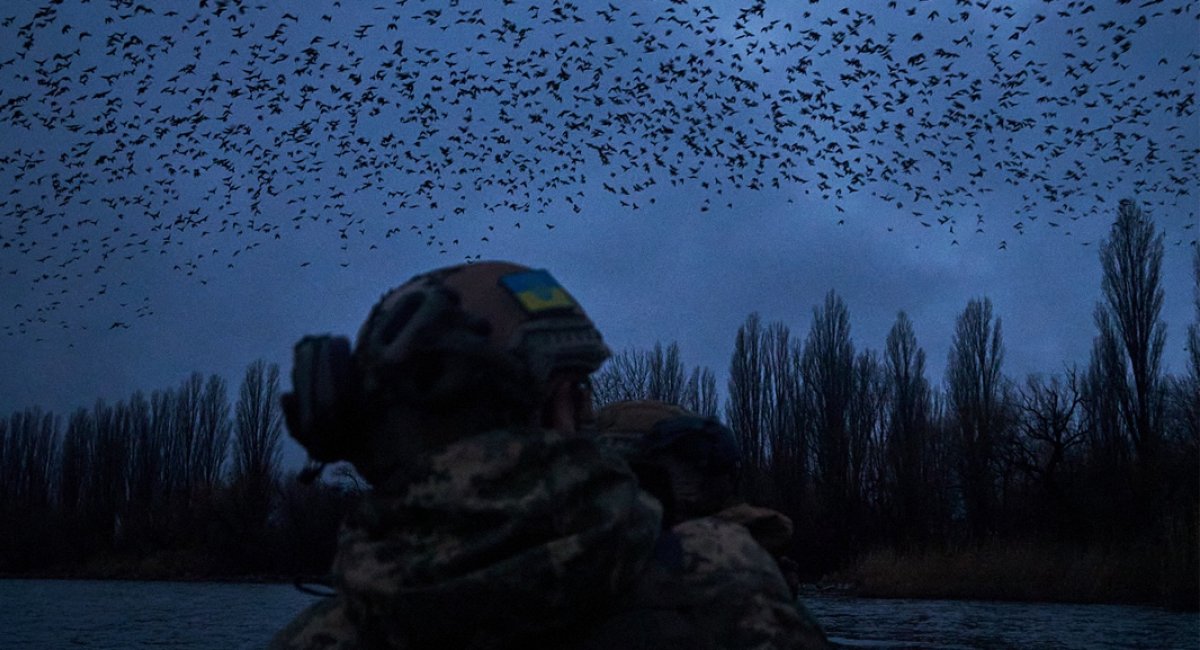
(506,539)
(709,584)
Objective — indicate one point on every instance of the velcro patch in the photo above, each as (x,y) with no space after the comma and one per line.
(537,291)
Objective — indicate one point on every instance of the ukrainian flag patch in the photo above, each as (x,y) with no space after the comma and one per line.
(537,291)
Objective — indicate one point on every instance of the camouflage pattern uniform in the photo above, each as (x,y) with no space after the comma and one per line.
(693,454)
(506,539)
(483,532)
(773,531)
(709,585)
(527,538)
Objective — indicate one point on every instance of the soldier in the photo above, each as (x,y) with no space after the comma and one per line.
(452,405)
(692,465)
(489,524)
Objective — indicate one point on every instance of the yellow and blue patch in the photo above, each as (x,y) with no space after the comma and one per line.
(537,291)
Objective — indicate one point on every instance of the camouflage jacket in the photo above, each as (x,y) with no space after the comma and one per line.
(500,539)
(709,585)
(771,529)
(532,539)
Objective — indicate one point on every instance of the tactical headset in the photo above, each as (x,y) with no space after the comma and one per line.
(420,349)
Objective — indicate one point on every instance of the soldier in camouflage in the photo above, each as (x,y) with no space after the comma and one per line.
(691,464)
(491,524)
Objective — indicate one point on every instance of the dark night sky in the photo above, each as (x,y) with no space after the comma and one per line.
(292,206)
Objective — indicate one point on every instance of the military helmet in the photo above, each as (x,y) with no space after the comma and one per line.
(644,429)
(478,311)
(636,416)
(691,464)
(488,336)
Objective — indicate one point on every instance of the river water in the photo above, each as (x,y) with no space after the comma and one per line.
(52,614)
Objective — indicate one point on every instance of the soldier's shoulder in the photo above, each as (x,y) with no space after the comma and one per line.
(713,544)
(506,458)
(771,528)
(722,562)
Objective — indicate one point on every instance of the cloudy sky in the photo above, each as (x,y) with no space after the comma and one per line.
(192,191)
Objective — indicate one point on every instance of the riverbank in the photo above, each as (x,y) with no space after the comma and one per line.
(1012,572)
(1025,572)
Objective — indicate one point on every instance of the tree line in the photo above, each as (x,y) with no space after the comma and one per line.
(862,450)
(179,483)
(859,447)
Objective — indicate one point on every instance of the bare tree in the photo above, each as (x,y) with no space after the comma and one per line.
(1194,328)
(700,393)
(765,411)
(10,464)
(1179,464)
(666,374)
(1049,427)
(110,453)
(42,462)
(1103,394)
(185,431)
(256,449)
(165,446)
(777,374)
(744,405)
(28,457)
(212,440)
(144,458)
(1187,387)
(258,422)
(626,376)
(655,375)
(864,428)
(785,417)
(6,466)
(907,425)
(29,454)
(1109,453)
(1131,259)
(941,465)
(974,385)
(74,471)
(827,367)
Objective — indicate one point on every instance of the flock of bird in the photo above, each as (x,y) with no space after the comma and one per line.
(135,129)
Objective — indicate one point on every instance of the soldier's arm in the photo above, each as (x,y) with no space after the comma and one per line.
(740,595)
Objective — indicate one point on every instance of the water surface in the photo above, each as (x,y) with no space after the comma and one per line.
(953,624)
(128,614)
(125,614)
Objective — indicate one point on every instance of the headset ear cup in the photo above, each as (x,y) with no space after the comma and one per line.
(320,410)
